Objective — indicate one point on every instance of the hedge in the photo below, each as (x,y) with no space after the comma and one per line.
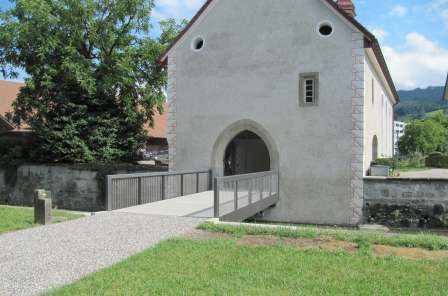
(437,160)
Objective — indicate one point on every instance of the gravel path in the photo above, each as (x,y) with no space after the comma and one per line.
(35,260)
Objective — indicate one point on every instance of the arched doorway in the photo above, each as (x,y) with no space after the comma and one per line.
(246,153)
(375,148)
(232,132)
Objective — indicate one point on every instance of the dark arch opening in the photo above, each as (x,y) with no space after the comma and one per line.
(247,153)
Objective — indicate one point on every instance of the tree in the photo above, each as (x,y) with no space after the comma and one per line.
(423,136)
(93,77)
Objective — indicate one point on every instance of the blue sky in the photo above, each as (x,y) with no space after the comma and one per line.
(413,34)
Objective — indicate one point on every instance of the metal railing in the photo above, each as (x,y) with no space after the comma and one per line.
(128,190)
(237,198)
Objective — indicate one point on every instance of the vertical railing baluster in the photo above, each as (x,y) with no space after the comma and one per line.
(235,195)
(109,191)
(163,187)
(250,191)
(210,179)
(197,182)
(215,198)
(270,185)
(139,190)
(181,184)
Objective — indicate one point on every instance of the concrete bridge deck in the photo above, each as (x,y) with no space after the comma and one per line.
(198,205)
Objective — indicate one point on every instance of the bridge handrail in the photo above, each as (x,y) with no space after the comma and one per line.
(127,190)
(236,197)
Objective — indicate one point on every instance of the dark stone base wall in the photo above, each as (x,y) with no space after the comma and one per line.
(73,187)
(406,202)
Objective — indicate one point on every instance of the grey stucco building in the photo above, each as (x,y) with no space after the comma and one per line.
(297,86)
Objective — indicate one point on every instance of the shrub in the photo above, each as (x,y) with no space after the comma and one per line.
(14,151)
(385,161)
(437,160)
(416,160)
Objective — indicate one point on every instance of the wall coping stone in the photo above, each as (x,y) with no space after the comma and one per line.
(371,178)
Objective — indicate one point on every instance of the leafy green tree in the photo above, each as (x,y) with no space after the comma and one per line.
(423,136)
(439,117)
(93,80)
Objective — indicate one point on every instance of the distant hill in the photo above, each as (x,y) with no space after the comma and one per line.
(416,103)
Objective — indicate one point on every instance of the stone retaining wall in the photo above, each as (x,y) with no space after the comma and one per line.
(72,187)
(400,202)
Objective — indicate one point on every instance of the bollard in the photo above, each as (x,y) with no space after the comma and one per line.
(42,207)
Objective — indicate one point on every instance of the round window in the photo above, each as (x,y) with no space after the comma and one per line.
(198,43)
(325,29)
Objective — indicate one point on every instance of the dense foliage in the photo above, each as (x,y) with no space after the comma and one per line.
(93,77)
(426,135)
(415,104)
(437,160)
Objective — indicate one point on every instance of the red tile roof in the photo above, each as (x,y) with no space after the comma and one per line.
(9,91)
(160,124)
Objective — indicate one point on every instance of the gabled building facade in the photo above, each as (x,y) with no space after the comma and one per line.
(297,86)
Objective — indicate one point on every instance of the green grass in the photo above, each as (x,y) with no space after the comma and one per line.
(422,240)
(16,218)
(221,267)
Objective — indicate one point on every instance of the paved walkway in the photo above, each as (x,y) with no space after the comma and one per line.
(42,258)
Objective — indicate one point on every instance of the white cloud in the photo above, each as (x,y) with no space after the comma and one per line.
(177,9)
(399,10)
(436,4)
(379,33)
(444,15)
(420,63)
(440,7)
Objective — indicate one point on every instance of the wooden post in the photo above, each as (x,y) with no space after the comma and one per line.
(236,195)
(216,198)
(42,207)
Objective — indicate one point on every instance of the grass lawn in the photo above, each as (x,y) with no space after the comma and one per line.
(221,266)
(420,240)
(15,218)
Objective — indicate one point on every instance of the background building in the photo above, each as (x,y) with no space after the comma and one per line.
(9,90)
(398,133)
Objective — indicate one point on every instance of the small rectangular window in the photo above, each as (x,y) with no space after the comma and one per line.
(308,89)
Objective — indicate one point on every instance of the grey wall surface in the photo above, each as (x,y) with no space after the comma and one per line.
(71,189)
(247,77)
(406,202)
